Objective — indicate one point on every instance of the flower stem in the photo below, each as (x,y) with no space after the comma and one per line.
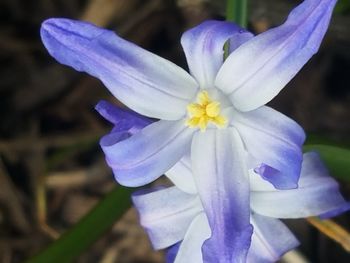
(236,11)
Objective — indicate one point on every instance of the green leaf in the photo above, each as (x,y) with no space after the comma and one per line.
(342,7)
(76,240)
(236,11)
(323,139)
(336,158)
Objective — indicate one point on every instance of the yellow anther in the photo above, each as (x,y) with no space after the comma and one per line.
(195,110)
(205,111)
(213,109)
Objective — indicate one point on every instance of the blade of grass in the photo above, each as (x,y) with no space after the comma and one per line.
(76,240)
(332,230)
(336,158)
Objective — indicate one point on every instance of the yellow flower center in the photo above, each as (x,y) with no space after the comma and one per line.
(204,111)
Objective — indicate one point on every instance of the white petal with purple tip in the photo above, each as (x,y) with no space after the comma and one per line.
(256,72)
(317,193)
(149,153)
(275,141)
(145,82)
(221,177)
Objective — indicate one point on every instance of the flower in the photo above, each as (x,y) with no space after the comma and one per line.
(213,118)
(176,219)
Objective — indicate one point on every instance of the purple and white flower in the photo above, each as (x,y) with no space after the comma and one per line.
(176,219)
(213,118)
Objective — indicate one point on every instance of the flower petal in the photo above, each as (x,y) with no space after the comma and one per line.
(148,154)
(222,181)
(337,211)
(181,175)
(257,71)
(166,214)
(172,252)
(259,184)
(275,141)
(123,119)
(190,248)
(204,48)
(270,240)
(146,83)
(318,193)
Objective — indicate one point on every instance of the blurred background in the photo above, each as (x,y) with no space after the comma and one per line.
(52,171)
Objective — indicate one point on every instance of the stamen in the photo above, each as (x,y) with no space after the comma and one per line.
(205,111)
(213,109)
(195,109)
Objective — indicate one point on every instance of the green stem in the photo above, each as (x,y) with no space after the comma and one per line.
(236,11)
(76,240)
